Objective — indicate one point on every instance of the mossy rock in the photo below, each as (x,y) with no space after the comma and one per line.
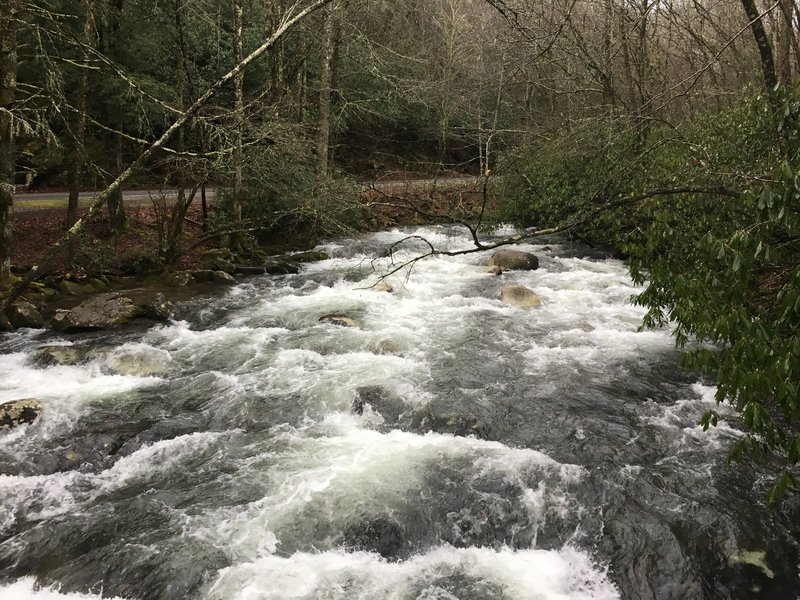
(24,314)
(70,288)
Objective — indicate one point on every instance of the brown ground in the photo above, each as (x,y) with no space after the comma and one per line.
(100,251)
(34,231)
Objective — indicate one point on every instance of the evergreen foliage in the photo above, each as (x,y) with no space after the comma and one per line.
(722,268)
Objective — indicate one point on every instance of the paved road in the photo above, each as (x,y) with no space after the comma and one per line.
(38,200)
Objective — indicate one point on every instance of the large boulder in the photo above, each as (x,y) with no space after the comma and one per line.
(519,295)
(108,311)
(514,260)
(18,412)
(25,314)
(151,305)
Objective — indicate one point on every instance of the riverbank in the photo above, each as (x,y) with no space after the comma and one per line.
(102,260)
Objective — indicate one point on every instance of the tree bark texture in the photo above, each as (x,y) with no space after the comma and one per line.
(79,154)
(238,84)
(764,47)
(325,81)
(8,89)
(116,209)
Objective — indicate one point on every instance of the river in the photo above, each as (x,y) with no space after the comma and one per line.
(248,451)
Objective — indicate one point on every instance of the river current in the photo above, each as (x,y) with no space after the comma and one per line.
(447,447)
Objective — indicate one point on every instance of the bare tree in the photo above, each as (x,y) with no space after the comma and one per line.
(79,155)
(290,19)
(330,36)
(8,89)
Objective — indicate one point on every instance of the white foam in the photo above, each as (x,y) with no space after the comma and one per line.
(567,574)
(27,589)
(37,496)
(340,469)
(157,458)
(65,392)
(681,420)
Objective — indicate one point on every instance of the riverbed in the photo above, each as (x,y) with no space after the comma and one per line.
(445,447)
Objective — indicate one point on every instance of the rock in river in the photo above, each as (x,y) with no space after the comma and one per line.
(519,295)
(18,412)
(341,320)
(514,260)
(107,311)
(25,314)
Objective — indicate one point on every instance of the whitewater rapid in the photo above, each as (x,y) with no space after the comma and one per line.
(219,456)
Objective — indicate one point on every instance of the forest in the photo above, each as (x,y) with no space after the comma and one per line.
(665,133)
(399,299)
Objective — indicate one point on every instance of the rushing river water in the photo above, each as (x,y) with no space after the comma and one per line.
(249,451)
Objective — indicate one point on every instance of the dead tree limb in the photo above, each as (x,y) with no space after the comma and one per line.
(97,202)
(562,228)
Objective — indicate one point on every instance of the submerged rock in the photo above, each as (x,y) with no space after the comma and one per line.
(340,320)
(304,257)
(281,267)
(461,425)
(514,260)
(382,346)
(519,295)
(25,314)
(140,364)
(382,535)
(494,270)
(18,412)
(64,355)
(381,400)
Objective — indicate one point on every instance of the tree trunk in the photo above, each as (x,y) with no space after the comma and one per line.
(764,47)
(116,209)
(79,154)
(238,84)
(325,79)
(791,49)
(102,197)
(8,89)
